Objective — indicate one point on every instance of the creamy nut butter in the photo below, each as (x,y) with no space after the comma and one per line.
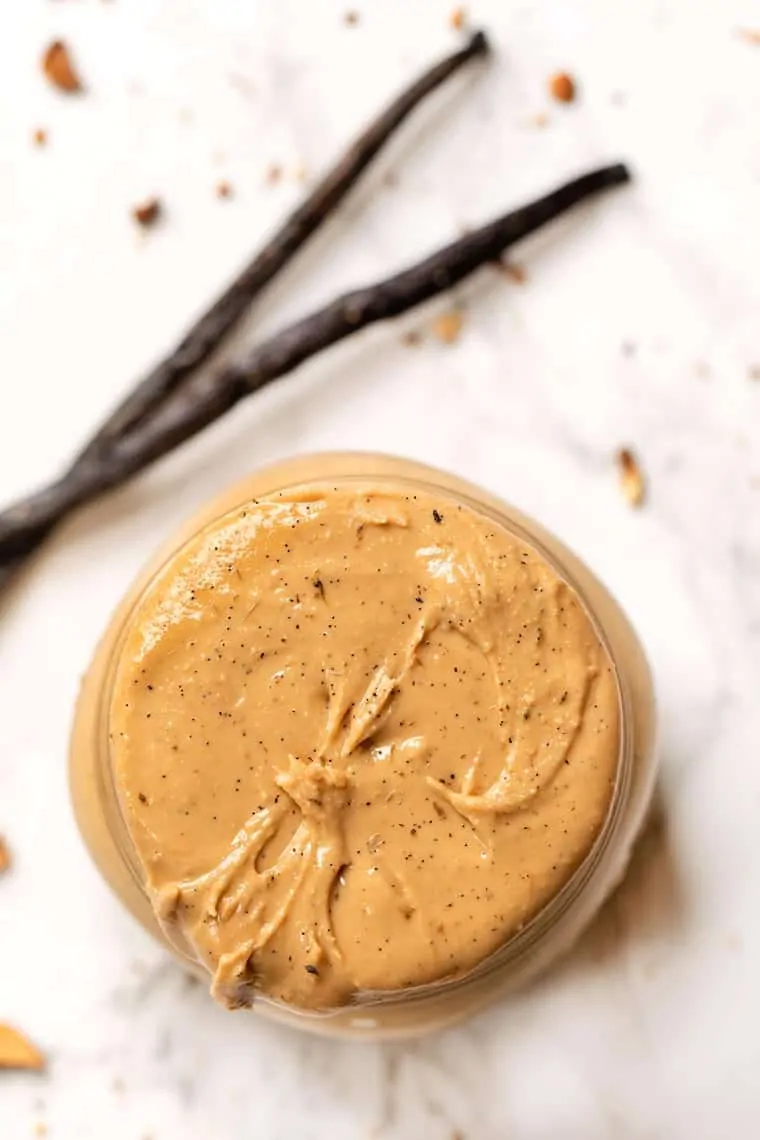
(364,745)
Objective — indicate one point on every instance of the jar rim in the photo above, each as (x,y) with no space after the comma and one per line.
(520,943)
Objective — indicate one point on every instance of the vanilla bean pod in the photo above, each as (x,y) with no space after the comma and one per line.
(208,397)
(208,332)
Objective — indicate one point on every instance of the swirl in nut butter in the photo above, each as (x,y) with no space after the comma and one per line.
(360,737)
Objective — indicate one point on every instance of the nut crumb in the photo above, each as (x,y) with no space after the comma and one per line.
(17,1051)
(301,172)
(242,84)
(59,68)
(148,212)
(5,856)
(562,87)
(351,18)
(514,271)
(40,1128)
(458,19)
(448,326)
(274,174)
(631,477)
(539,120)
(223,189)
(754,372)
(411,338)
(40,137)
(750,35)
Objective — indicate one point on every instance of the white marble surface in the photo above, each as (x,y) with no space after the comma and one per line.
(651,1029)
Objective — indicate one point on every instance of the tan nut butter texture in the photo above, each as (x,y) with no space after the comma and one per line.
(360,737)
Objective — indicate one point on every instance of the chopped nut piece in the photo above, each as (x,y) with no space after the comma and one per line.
(631,477)
(242,84)
(59,69)
(514,271)
(562,87)
(5,856)
(148,212)
(351,18)
(40,137)
(750,35)
(754,372)
(274,174)
(448,326)
(458,18)
(223,189)
(17,1051)
(411,338)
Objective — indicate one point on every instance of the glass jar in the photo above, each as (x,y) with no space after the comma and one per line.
(550,932)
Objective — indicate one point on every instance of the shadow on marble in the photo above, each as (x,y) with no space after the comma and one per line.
(646,906)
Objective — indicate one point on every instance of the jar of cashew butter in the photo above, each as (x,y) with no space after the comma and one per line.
(364,746)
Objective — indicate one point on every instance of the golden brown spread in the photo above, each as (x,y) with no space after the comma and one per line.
(361,735)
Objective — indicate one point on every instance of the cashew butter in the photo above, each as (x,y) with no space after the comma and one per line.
(360,733)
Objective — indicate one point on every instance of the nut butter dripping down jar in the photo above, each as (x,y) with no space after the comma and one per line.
(556,925)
